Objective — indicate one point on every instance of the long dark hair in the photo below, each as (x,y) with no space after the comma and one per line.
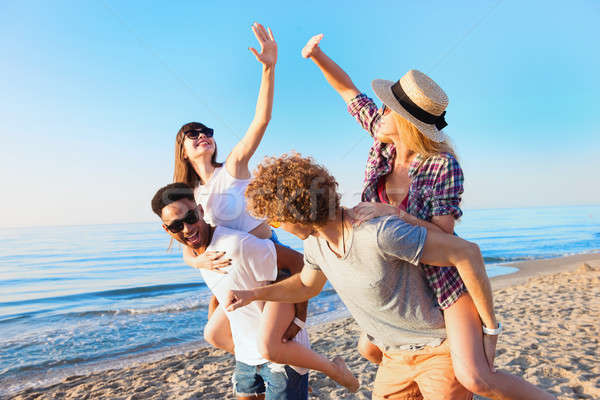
(184,171)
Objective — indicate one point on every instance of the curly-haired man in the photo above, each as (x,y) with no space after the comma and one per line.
(372,268)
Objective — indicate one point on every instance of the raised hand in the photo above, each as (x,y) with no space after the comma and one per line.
(268,46)
(312,46)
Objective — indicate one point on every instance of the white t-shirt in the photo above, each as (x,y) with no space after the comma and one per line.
(253,264)
(223,198)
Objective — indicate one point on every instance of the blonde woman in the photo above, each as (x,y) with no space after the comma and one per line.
(412,171)
(220,189)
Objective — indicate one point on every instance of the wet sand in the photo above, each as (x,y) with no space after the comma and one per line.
(550,310)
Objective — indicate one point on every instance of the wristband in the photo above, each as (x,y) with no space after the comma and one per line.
(301,324)
(489,331)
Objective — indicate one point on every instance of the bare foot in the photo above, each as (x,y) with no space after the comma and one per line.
(344,376)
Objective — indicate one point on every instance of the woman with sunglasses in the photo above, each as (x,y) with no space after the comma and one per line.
(220,190)
(412,171)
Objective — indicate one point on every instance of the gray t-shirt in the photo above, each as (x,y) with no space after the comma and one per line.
(381,283)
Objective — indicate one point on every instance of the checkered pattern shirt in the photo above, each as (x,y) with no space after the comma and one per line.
(435,189)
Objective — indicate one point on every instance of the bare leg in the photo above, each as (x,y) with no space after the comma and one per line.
(368,350)
(218,331)
(470,364)
(212,305)
(276,319)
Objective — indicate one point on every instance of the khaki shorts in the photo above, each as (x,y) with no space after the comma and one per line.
(425,374)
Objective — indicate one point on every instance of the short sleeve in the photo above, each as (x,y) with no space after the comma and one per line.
(400,239)
(308,259)
(261,256)
(308,264)
(364,110)
(447,189)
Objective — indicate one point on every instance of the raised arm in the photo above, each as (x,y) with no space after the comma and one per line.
(237,161)
(295,289)
(335,75)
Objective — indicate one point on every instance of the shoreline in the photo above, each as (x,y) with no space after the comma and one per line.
(206,371)
(540,267)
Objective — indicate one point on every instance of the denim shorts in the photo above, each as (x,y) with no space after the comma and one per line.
(275,381)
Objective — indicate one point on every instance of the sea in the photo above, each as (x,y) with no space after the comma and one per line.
(82,299)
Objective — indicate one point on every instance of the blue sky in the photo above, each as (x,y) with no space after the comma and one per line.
(95,91)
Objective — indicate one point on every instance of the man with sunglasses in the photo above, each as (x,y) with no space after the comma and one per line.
(254,264)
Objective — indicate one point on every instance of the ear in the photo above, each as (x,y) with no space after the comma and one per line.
(200,211)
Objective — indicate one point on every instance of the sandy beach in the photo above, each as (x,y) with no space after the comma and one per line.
(550,310)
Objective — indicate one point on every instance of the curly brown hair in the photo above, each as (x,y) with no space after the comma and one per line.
(293,189)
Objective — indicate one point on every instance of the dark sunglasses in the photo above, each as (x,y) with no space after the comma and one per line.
(190,218)
(195,133)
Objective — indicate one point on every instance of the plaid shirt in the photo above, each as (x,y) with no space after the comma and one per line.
(435,189)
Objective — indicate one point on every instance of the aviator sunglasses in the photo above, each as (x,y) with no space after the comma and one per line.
(190,218)
(195,133)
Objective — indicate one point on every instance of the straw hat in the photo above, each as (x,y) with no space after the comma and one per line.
(417,98)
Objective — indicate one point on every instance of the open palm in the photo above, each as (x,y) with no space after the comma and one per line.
(268,46)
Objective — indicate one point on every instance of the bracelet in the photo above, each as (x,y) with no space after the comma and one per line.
(301,324)
(489,331)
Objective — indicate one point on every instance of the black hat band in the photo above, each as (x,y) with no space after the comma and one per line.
(415,110)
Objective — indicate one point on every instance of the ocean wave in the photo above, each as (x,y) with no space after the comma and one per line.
(121,261)
(183,306)
(196,303)
(14,282)
(82,360)
(11,318)
(118,294)
(505,259)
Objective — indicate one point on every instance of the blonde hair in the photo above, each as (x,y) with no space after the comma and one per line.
(414,140)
